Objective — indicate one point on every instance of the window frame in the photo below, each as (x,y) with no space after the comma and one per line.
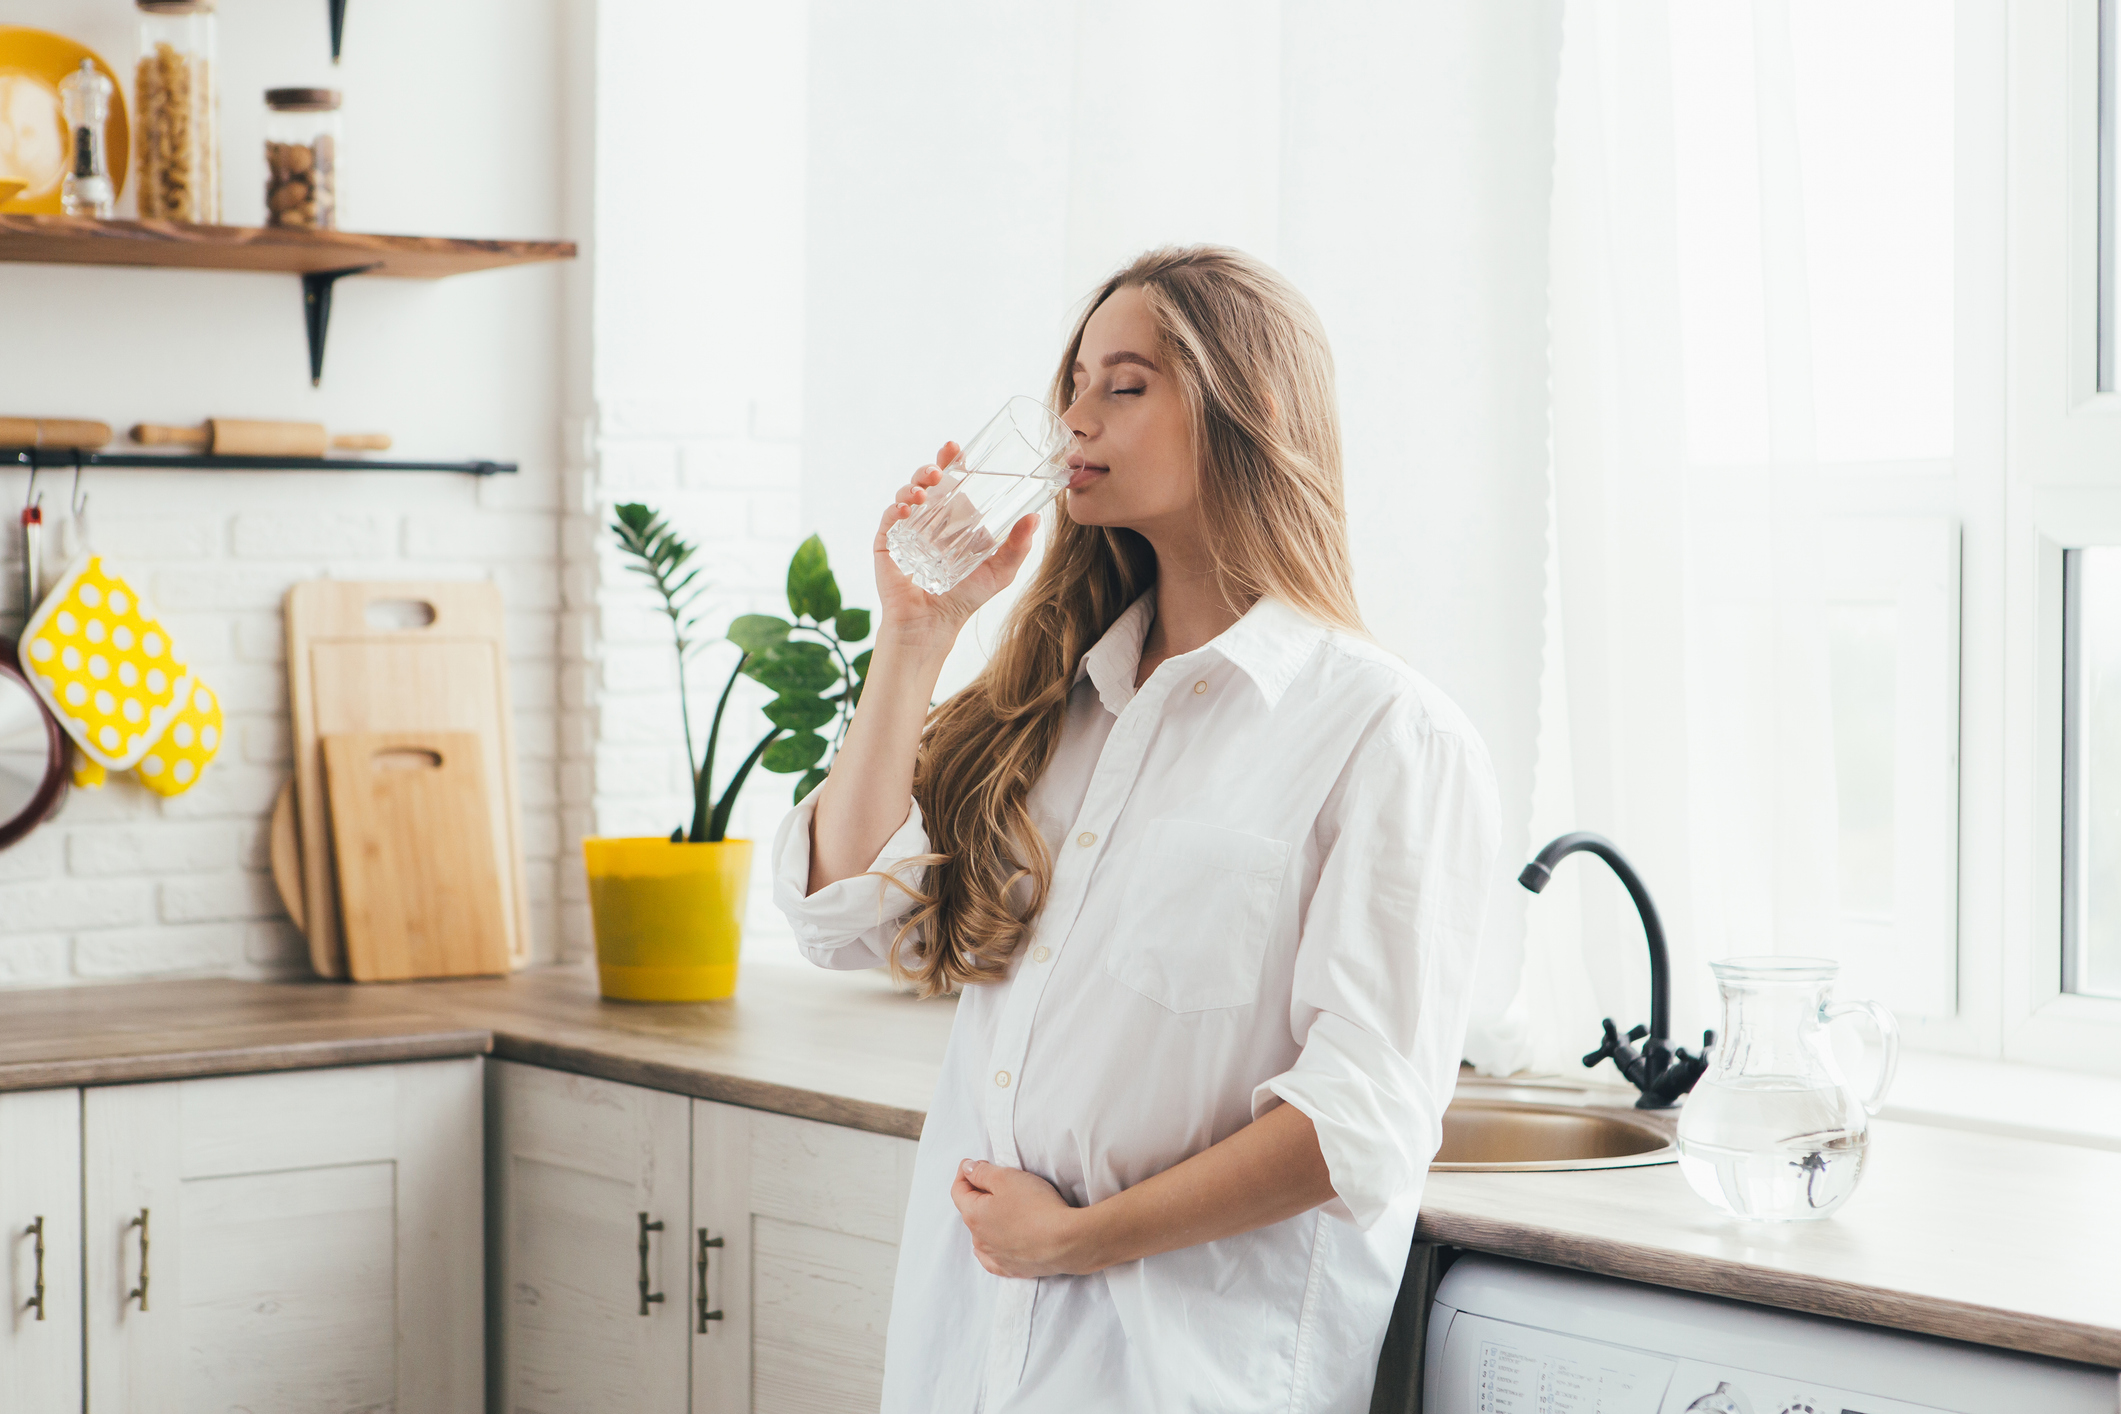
(2063,492)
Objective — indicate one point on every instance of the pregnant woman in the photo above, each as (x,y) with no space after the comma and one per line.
(1207,867)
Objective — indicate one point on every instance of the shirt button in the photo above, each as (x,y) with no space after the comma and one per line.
(1200,687)
(1041,953)
(1001,1078)
(1086,838)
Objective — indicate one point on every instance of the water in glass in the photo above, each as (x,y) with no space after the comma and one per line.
(1774,1130)
(1008,470)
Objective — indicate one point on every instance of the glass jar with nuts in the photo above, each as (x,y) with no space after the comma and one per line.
(176,112)
(302,158)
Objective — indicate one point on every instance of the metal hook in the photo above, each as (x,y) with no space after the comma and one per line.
(29,493)
(77,502)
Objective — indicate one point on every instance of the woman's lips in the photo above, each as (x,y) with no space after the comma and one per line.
(1081,475)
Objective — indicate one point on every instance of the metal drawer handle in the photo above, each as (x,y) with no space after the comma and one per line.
(36,1303)
(705,1314)
(140,1290)
(647,1297)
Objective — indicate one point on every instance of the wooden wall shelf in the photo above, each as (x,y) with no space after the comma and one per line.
(60,459)
(320,258)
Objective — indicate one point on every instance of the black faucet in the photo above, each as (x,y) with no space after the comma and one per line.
(1661,1073)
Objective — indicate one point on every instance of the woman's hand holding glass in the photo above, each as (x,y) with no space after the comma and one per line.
(864,801)
(910,616)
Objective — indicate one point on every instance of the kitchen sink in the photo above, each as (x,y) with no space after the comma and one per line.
(1529,1127)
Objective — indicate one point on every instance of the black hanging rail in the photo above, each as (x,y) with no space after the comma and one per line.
(61,458)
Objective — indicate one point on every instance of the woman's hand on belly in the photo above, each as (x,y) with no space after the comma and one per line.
(1020,1224)
(1267,1172)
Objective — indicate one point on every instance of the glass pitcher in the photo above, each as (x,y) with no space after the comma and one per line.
(1774,1130)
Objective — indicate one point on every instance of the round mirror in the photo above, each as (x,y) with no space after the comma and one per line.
(32,754)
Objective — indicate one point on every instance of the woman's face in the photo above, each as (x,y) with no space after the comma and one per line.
(1136,466)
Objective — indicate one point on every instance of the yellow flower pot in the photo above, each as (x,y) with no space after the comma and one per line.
(669,917)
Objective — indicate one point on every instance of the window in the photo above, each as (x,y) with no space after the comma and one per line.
(2091,772)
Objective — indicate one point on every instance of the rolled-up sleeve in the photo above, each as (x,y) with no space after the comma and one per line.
(848,925)
(1385,961)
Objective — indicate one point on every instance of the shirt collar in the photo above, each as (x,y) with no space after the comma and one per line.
(1270,645)
(1115,658)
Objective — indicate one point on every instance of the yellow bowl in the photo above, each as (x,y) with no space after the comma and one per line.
(33,142)
(669,917)
(8,191)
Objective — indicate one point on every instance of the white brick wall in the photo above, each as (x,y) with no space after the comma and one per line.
(622,767)
(123,884)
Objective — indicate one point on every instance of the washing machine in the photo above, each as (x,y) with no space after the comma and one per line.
(1519,1338)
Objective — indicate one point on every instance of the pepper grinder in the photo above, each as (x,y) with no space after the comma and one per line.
(86,189)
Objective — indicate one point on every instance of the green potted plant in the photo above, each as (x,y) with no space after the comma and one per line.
(669,913)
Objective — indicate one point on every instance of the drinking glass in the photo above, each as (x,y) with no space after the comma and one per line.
(1010,469)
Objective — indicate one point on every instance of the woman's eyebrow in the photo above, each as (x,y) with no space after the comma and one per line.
(1124,357)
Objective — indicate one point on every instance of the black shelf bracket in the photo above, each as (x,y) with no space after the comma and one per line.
(40,458)
(316,311)
(338,26)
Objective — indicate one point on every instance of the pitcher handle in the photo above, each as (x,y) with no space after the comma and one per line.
(1888,1036)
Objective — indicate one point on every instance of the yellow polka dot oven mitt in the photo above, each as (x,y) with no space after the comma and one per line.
(194,735)
(107,669)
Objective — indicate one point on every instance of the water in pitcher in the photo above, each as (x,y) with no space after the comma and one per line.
(1808,1169)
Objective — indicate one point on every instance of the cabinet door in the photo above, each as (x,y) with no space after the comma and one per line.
(40,1208)
(808,1216)
(306,1242)
(591,1314)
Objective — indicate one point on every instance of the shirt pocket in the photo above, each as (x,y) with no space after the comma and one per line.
(1195,920)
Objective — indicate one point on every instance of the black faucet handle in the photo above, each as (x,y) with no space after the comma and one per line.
(1612,1046)
(1637,1032)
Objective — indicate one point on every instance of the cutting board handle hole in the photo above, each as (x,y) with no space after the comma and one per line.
(400,613)
(407,758)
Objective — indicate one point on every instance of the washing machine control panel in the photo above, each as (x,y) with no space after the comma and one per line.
(1699,1388)
(1496,1367)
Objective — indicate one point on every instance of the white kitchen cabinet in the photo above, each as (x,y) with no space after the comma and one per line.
(40,1225)
(589,1203)
(788,1228)
(299,1241)
(808,1218)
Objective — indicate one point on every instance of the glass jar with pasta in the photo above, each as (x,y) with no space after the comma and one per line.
(176,112)
(302,158)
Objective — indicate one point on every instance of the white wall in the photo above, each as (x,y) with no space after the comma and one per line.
(451,129)
(1394,162)
(817,241)
(692,403)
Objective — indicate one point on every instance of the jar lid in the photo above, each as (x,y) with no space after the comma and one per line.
(302,100)
(177,7)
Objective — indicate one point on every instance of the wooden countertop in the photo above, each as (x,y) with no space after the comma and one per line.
(2004,1242)
(843,1047)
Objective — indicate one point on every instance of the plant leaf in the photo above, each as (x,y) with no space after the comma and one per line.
(794,753)
(852,625)
(861,664)
(755,633)
(794,667)
(799,713)
(812,779)
(812,591)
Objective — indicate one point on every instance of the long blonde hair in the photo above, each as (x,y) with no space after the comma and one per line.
(1253,364)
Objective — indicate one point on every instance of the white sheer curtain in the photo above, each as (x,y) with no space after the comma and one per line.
(1751,656)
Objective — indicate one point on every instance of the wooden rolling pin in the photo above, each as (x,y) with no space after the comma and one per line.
(233,437)
(62,432)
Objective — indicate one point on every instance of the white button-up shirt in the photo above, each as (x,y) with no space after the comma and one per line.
(1269,869)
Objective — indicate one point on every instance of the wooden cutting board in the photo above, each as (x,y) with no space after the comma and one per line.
(398,657)
(419,889)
